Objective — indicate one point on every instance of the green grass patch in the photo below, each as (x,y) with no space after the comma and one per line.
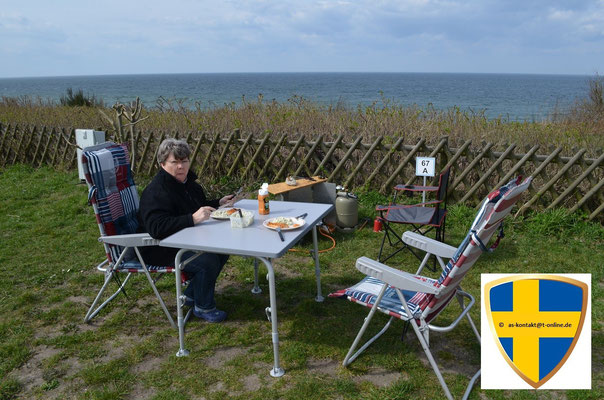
(49,247)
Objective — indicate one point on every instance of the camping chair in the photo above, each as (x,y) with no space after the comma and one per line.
(113,196)
(418,299)
(431,214)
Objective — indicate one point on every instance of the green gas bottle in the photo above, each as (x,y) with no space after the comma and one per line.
(347,210)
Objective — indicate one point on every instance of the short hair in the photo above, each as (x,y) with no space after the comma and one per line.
(179,148)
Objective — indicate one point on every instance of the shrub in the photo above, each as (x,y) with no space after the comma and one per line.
(79,99)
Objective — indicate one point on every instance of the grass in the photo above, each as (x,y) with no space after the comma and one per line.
(48,247)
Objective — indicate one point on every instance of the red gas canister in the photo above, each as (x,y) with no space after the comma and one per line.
(377,225)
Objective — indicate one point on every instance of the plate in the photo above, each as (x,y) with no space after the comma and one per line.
(285,223)
(223,213)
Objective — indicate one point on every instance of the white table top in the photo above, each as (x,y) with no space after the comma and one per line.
(217,236)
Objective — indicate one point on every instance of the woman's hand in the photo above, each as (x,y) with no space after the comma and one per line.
(202,214)
(227,200)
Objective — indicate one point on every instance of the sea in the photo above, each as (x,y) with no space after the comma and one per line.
(513,97)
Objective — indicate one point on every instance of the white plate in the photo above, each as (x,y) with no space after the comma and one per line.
(292,223)
(221,213)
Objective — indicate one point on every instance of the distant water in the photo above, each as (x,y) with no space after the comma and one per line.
(514,96)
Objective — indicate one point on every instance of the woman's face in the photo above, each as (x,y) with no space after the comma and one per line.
(177,168)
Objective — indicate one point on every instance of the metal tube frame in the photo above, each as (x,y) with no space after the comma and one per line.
(276,371)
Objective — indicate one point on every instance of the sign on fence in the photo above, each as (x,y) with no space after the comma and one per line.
(425,166)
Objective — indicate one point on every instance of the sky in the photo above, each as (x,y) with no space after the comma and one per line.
(89,37)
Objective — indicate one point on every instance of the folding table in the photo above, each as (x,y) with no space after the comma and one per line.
(217,236)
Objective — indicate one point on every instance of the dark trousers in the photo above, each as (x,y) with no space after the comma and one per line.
(203,272)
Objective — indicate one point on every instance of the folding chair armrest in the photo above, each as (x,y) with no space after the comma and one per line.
(131,240)
(401,206)
(415,188)
(429,245)
(394,277)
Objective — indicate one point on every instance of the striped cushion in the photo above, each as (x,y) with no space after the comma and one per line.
(134,266)
(366,292)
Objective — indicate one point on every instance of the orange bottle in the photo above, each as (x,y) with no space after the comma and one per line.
(263,207)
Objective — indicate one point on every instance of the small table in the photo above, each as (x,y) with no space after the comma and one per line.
(282,187)
(264,244)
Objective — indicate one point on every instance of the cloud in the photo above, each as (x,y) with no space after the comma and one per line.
(243,35)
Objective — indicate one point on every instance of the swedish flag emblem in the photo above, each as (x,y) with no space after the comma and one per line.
(536,322)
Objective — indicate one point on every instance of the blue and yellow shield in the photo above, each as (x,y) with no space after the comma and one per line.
(536,321)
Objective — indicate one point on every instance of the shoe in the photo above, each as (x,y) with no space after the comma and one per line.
(211,316)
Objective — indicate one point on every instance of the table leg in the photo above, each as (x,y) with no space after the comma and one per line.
(319,297)
(182,352)
(256,289)
(277,370)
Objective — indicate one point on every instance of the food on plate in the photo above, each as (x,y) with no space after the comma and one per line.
(277,225)
(283,223)
(224,213)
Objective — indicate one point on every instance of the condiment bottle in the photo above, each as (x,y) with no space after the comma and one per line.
(263,207)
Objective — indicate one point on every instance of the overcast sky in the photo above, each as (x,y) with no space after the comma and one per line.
(67,37)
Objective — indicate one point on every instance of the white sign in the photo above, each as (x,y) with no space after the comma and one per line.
(425,166)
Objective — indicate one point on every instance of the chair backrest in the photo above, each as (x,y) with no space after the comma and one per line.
(443,183)
(495,207)
(111,191)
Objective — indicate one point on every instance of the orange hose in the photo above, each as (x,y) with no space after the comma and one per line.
(333,246)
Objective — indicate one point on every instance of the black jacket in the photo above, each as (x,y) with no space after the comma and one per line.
(166,207)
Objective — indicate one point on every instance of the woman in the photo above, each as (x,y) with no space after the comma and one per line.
(174,201)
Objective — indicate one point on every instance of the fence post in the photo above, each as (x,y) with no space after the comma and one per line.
(256,154)
(576,182)
(273,154)
(402,165)
(345,158)
(240,154)
(379,167)
(331,150)
(311,151)
(488,173)
(375,144)
(551,182)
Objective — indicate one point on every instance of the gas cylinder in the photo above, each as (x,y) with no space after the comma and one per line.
(347,210)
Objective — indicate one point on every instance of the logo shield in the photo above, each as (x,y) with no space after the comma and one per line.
(536,321)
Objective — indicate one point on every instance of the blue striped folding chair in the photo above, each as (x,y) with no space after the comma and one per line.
(418,299)
(113,195)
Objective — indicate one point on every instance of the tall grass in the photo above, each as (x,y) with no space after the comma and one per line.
(582,126)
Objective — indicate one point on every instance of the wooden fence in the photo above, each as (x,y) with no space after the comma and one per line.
(573,182)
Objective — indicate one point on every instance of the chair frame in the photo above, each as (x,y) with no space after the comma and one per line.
(420,319)
(395,238)
(127,242)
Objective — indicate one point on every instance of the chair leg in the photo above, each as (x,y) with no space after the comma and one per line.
(152,283)
(351,357)
(161,300)
(382,245)
(424,344)
(92,312)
